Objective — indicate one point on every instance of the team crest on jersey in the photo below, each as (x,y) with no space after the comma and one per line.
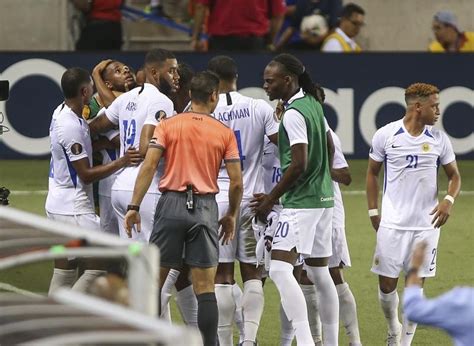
(160,115)
(425,147)
(76,148)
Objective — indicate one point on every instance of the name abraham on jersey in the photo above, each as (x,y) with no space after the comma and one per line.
(234,114)
(131,106)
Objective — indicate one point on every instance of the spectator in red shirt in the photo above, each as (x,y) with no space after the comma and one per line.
(103,28)
(238,24)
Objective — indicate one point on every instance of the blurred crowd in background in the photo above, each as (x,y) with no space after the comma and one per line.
(257,25)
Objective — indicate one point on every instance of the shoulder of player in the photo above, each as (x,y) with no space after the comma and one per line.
(390,129)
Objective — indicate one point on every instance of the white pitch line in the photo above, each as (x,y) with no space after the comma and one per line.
(10,288)
(344,192)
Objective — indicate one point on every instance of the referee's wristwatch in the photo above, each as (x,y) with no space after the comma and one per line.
(133,207)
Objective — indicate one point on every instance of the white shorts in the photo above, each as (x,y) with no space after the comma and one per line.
(394,250)
(309,230)
(88,221)
(340,250)
(120,201)
(243,246)
(108,219)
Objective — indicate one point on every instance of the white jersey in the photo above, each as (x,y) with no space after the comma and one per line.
(271,166)
(251,120)
(108,155)
(144,105)
(338,216)
(411,169)
(70,141)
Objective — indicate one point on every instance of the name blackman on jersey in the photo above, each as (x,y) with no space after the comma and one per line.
(234,114)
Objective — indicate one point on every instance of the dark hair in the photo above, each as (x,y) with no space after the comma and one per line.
(72,81)
(186,73)
(294,66)
(224,67)
(158,56)
(203,85)
(351,8)
(104,71)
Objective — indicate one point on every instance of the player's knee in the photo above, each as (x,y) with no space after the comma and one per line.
(387,286)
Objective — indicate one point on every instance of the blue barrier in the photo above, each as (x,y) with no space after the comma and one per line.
(364,92)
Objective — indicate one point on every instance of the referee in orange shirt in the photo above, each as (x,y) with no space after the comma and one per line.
(194,144)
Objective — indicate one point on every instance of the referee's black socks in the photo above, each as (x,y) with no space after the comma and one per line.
(208,317)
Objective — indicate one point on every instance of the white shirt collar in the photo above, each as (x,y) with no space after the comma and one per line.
(346,38)
(298,95)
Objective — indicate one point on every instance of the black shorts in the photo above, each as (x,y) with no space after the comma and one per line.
(186,234)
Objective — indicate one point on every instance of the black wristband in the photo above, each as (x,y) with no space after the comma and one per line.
(133,207)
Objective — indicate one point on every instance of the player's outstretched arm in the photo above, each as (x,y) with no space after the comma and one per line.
(372,190)
(101,124)
(442,211)
(90,174)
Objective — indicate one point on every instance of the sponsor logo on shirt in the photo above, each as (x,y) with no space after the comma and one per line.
(326,199)
(76,148)
(160,115)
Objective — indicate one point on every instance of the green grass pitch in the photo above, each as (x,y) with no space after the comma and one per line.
(455,256)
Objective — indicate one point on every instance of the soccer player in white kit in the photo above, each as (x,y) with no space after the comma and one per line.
(111,79)
(411,150)
(251,120)
(143,106)
(71,173)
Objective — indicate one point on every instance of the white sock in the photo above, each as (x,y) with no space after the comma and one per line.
(238,317)
(328,303)
(188,306)
(86,279)
(292,300)
(408,330)
(312,305)
(252,308)
(166,313)
(389,304)
(62,278)
(166,294)
(287,333)
(348,312)
(226,306)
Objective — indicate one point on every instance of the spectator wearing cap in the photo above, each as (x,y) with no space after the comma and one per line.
(238,24)
(342,39)
(449,38)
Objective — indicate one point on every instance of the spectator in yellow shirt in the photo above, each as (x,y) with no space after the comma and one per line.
(449,38)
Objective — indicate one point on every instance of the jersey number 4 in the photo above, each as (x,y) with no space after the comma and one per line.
(129,133)
(239,146)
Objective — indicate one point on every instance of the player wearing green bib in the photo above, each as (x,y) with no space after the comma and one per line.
(305,190)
